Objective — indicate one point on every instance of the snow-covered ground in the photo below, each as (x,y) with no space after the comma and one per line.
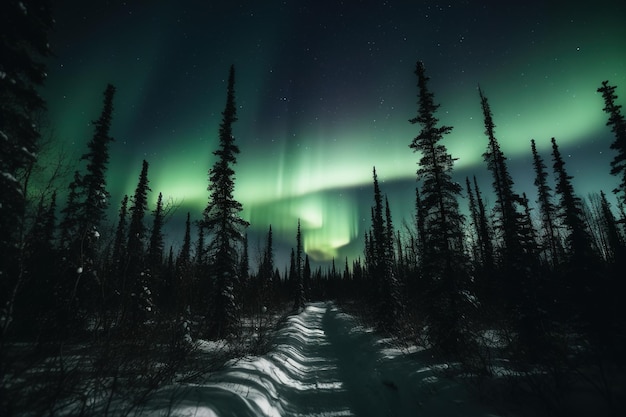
(323,364)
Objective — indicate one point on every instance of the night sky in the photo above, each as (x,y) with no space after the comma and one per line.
(324,91)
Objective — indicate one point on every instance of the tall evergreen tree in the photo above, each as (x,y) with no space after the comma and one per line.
(119,244)
(200,246)
(616,246)
(136,289)
(379,247)
(266,269)
(579,283)
(486,282)
(546,207)
(577,238)
(155,248)
(389,231)
(223,222)
(118,260)
(244,264)
(95,195)
(23,48)
(137,229)
(70,213)
(85,213)
(617,122)
(306,277)
(518,268)
(291,273)
(506,200)
(154,258)
(182,280)
(477,250)
(443,259)
(392,303)
(298,287)
(420,226)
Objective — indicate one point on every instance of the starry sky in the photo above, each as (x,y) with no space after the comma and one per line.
(324,91)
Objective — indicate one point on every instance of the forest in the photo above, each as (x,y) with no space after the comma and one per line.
(546,285)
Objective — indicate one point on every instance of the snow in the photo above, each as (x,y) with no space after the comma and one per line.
(323,364)
(29,153)
(9,177)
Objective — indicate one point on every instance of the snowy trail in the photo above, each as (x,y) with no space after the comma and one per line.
(323,365)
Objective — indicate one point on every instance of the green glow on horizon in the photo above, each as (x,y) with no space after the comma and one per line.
(298,151)
(277,185)
(328,220)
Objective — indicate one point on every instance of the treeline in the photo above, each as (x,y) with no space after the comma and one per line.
(536,274)
(548,282)
(73,273)
(537,292)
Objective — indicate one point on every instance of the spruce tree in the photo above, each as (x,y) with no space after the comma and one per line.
(306,277)
(508,218)
(386,288)
(482,250)
(580,266)
(155,248)
(616,246)
(222,221)
(477,250)
(577,238)
(154,258)
(291,273)
(611,294)
(95,195)
(484,229)
(485,284)
(70,213)
(546,208)
(389,232)
(379,249)
(136,289)
(266,269)
(393,302)
(200,247)
(298,287)
(119,244)
(183,280)
(518,268)
(420,229)
(244,265)
(85,213)
(23,48)
(118,259)
(443,260)
(617,122)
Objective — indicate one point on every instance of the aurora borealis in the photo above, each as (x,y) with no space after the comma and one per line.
(325,90)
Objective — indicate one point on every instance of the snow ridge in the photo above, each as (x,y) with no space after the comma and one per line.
(324,365)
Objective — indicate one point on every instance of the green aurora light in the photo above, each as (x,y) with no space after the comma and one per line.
(317,111)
